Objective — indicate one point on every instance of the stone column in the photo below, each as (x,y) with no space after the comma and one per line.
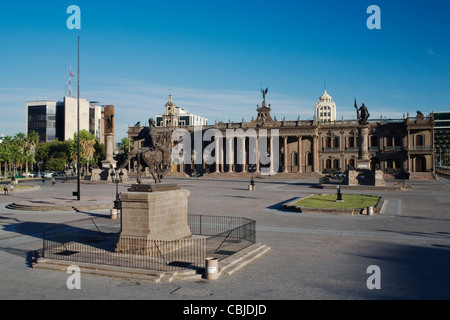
(258,167)
(244,158)
(285,154)
(272,151)
(363,162)
(363,143)
(217,152)
(315,143)
(230,154)
(106,164)
(300,154)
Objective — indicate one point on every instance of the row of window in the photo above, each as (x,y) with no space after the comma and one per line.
(336,164)
(352,142)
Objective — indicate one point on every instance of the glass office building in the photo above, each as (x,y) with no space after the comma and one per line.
(42,119)
(442,137)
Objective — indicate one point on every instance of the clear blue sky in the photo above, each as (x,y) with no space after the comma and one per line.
(216,55)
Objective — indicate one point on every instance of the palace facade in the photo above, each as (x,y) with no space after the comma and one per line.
(402,147)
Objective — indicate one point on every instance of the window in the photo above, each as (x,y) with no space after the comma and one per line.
(294,159)
(351,142)
(419,140)
(335,142)
(373,141)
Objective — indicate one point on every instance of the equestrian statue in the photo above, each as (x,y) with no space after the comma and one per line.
(154,153)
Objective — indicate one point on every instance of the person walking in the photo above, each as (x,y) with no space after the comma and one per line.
(11,189)
(5,189)
(53,181)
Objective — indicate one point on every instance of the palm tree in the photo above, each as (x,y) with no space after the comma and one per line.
(6,154)
(32,141)
(20,143)
(3,157)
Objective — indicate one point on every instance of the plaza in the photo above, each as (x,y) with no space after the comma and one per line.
(312,256)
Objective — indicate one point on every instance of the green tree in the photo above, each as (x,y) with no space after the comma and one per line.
(57,162)
(5,156)
(87,150)
(123,146)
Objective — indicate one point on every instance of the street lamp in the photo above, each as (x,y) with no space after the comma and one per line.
(252,169)
(340,176)
(116,178)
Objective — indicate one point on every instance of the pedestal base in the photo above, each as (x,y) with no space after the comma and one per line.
(365,177)
(148,217)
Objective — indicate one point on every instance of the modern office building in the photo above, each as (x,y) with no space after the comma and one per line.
(442,137)
(58,119)
(41,117)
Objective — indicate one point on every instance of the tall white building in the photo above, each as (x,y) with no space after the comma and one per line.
(58,119)
(176,116)
(325,109)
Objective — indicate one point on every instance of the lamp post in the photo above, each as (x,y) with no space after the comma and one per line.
(339,175)
(116,177)
(252,169)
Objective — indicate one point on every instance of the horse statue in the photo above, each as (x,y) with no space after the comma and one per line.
(155,153)
(157,160)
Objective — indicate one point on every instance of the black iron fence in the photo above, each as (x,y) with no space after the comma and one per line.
(98,241)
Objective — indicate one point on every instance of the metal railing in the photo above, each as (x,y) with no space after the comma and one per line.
(98,241)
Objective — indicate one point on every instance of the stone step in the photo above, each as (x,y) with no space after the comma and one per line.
(227,266)
(236,262)
(103,270)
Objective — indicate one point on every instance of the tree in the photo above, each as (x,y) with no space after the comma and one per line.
(123,146)
(33,140)
(87,150)
(57,162)
(5,156)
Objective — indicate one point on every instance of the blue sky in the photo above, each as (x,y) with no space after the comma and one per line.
(216,55)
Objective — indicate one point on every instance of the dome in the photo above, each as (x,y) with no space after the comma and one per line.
(325,96)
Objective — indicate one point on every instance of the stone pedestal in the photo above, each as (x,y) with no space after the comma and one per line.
(148,217)
(379,178)
(95,175)
(363,175)
(362,164)
(109,148)
(105,174)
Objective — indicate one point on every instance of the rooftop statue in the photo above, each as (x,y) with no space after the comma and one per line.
(362,113)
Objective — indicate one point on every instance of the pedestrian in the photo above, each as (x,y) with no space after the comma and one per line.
(11,189)
(53,181)
(43,180)
(5,189)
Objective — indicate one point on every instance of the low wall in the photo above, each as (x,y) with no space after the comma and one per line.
(378,209)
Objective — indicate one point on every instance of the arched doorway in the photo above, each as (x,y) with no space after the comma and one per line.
(420,164)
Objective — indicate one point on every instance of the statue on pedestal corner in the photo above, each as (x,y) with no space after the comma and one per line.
(362,113)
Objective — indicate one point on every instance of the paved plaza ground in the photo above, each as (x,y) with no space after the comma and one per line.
(312,256)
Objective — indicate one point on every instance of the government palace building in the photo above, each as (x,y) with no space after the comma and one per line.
(402,148)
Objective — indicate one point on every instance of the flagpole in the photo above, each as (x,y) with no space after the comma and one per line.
(78,129)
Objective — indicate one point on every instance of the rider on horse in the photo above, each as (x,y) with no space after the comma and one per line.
(150,136)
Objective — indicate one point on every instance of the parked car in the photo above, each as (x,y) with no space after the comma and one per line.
(47,175)
(31,175)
